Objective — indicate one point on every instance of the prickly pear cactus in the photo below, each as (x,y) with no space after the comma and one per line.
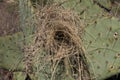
(101,39)
(27,19)
(11,55)
(102,45)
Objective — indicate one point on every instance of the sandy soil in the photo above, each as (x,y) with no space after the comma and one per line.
(9,20)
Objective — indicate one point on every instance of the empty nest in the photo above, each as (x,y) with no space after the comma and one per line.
(57,50)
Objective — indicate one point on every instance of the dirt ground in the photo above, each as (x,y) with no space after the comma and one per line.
(9,19)
(6,75)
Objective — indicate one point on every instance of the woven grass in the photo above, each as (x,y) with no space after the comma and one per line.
(56,50)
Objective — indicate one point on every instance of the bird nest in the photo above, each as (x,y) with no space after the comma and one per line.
(57,46)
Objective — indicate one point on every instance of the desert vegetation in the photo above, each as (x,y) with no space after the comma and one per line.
(59,39)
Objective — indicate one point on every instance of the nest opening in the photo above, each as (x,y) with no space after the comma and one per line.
(61,37)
